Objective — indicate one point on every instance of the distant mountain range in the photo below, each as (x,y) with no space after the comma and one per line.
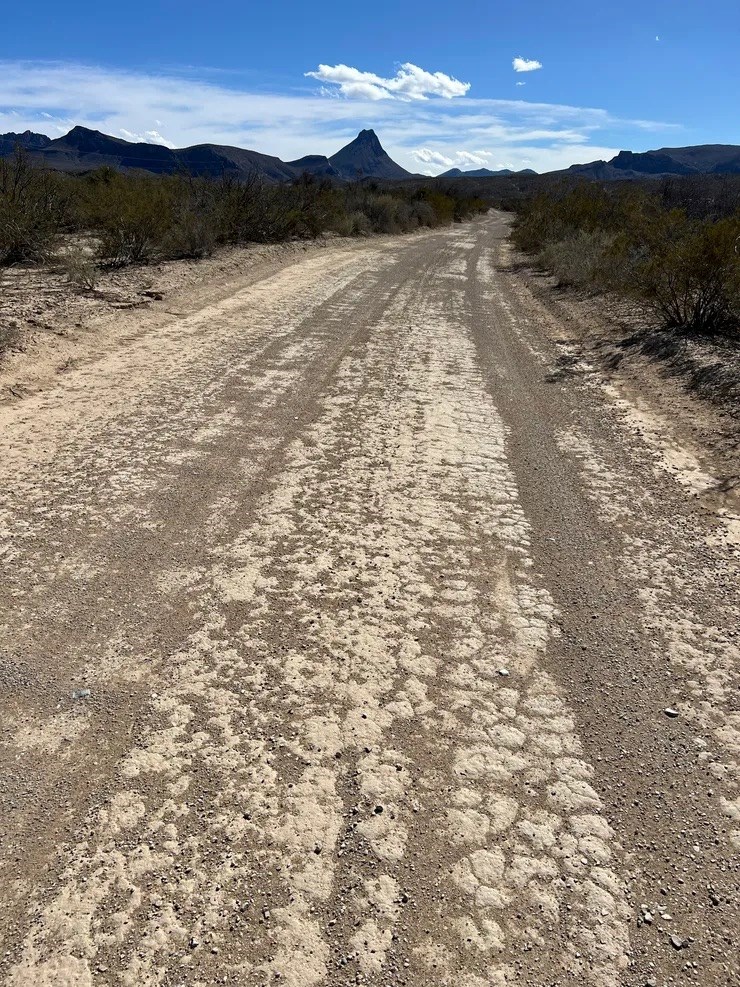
(83,150)
(703,159)
(364,157)
(484,173)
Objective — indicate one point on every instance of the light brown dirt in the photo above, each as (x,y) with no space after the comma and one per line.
(379,614)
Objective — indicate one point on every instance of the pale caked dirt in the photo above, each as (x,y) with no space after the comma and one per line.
(380,612)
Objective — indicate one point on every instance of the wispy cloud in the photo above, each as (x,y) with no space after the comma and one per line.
(425,155)
(177,110)
(526,64)
(453,159)
(410,82)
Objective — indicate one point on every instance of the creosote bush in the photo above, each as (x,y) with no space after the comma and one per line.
(136,218)
(34,207)
(680,262)
(130,214)
(139,218)
(580,260)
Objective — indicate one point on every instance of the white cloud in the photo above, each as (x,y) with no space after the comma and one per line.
(521,83)
(51,98)
(451,159)
(410,82)
(425,156)
(526,64)
(148,137)
(478,159)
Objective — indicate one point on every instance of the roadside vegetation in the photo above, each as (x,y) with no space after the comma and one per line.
(673,246)
(138,218)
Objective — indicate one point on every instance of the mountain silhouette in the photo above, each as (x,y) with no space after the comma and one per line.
(83,149)
(364,157)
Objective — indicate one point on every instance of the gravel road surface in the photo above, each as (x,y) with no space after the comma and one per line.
(353,631)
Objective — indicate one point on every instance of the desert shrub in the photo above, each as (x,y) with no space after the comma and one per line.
(425,213)
(361,225)
(407,217)
(79,268)
(317,202)
(382,211)
(342,224)
(351,224)
(193,234)
(132,215)
(34,206)
(195,226)
(680,262)
(689,274)
(138,217)
(467,207)
(581,260)
(537,225)
(443,205)
(564,212)
(253,212)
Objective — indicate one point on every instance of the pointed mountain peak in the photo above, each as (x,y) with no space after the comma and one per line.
(86,139)
(365,157)
(368,137)
(78,131)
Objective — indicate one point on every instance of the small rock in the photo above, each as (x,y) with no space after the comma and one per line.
(677,942)
(80,693)
(194,942)
(378,810)
(504,672)
(647,917)
(669,711)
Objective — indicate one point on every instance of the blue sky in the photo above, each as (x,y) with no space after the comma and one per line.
(438,81)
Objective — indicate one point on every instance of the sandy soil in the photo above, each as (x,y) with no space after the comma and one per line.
(349,634)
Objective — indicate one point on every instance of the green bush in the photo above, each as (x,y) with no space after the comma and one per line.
(34,207)
(581,260)
(689,274)
(442,204)
(136,218)
(683,268)
(132,215)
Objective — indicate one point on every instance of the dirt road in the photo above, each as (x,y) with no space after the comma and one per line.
(411,649)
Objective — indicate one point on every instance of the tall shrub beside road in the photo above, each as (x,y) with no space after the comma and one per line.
(682,263)
(34,207)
